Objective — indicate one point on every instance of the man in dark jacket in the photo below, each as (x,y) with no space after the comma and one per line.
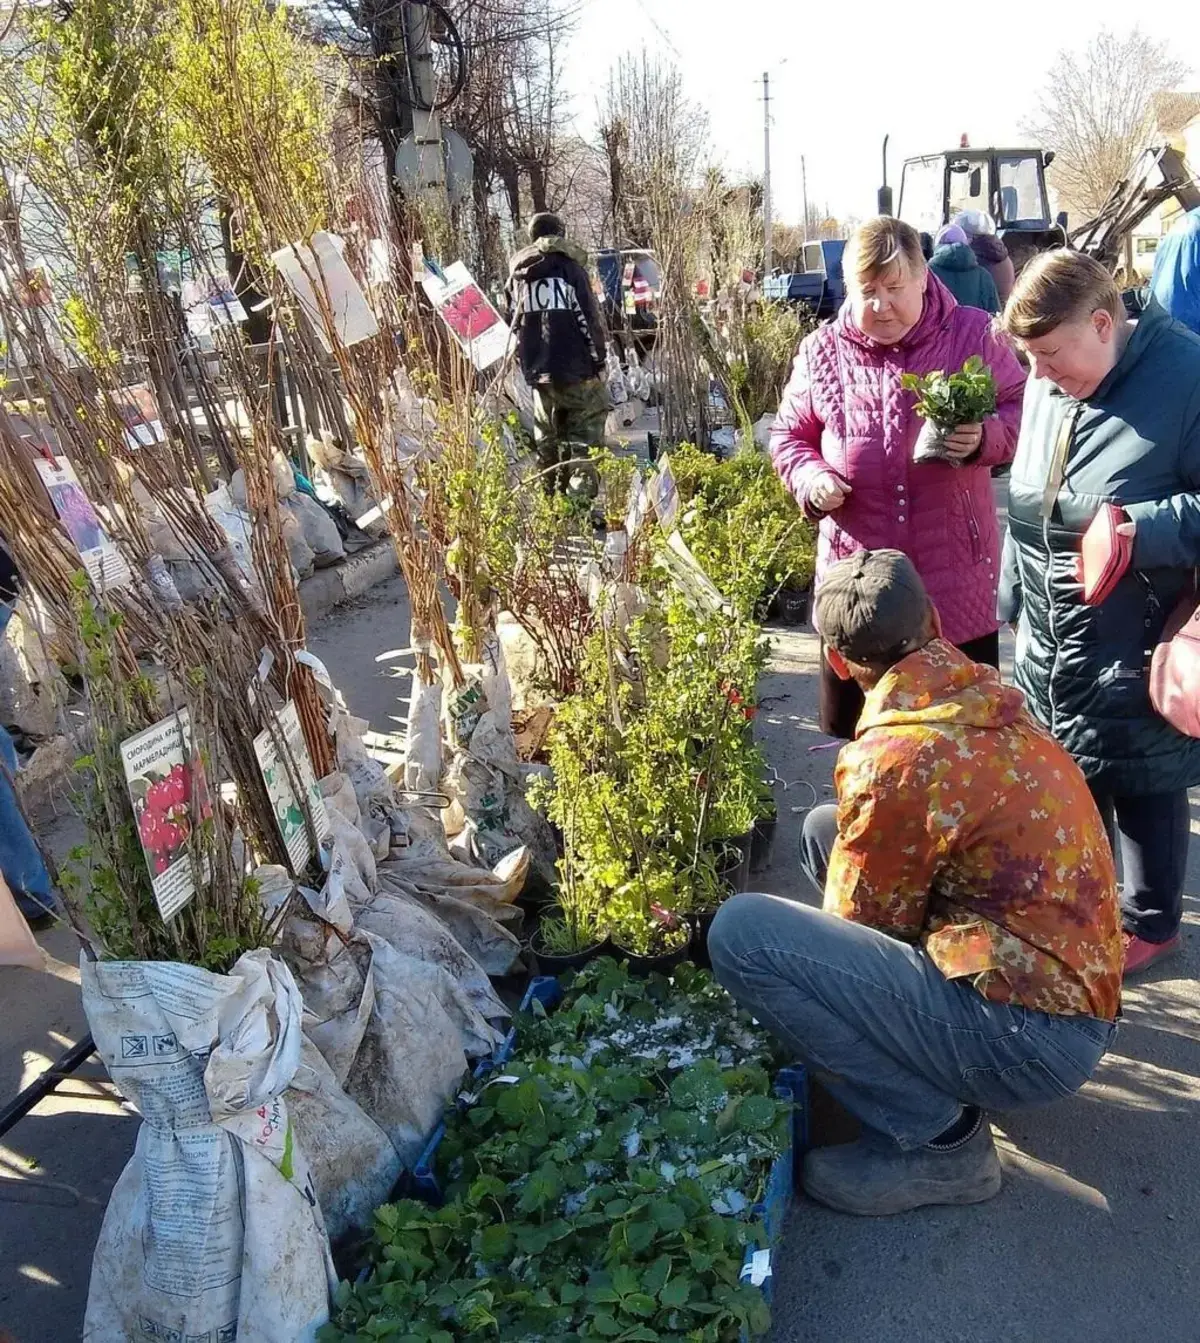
(561,340)
(955,265)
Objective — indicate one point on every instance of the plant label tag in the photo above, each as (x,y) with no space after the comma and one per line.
(758,1270)
(292,787)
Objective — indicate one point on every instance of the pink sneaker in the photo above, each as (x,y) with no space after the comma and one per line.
(1141,955)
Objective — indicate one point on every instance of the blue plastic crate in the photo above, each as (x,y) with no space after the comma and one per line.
(791,1084)
(544,989)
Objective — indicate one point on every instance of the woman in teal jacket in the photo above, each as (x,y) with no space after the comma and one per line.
(959,270)
(1112,415)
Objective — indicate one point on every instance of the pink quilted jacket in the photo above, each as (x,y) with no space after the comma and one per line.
(844,409)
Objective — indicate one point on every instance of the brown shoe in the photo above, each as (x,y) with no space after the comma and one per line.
(870,1180)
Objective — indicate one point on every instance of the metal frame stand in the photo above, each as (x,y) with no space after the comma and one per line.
(36,1092)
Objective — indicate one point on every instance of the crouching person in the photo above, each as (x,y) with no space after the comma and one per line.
(969,952)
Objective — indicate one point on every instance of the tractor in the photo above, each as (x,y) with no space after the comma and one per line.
(1007,184)
(1010,185)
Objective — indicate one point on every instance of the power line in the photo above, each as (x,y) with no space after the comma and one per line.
(658,28)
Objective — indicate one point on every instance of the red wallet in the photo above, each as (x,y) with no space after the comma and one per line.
(1106,554)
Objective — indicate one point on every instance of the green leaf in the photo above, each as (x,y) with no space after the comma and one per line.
(496,1242)
(756,1113)
(487,1186)
(625,1280)
(606,1326)
(639,1235)
(676,1292)
(603,1296)
(638,1303)
(667,1215)
(542,1189)
(570,1293)
(656,1276)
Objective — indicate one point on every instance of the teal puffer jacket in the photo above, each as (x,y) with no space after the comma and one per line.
(1135,443)
(959,270)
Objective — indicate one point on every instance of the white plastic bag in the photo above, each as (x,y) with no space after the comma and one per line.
(213,1229)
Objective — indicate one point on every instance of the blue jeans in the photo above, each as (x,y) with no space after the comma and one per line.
(20,859)
(899,1045)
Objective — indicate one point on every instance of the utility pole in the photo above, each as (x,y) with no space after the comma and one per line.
(804,194)
(768,249)
(427,130)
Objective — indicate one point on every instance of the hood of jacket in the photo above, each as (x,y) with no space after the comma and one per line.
(939,685)
(935,318)
(989,250)
(544,247)
(954,256)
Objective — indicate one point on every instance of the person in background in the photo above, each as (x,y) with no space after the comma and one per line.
(989,249)
(20,858)
(844,437)
(926,245)
(561,341)
(1112,415)
(1175,283)
(955,265)
(969,952)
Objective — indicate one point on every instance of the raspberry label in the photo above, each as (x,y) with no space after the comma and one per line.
(170,799)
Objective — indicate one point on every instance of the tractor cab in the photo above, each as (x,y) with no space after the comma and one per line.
(1007,184)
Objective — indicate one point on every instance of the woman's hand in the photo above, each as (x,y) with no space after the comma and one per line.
(827,492)
(964,442)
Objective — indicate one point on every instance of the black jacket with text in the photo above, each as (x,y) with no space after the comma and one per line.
(560,334)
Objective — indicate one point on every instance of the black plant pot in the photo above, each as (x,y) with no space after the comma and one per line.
(662,964)
(762,843)
(733,860)
(701,923)
(791,606)
(558,963)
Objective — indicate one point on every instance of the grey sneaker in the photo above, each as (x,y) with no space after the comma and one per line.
(872,1180)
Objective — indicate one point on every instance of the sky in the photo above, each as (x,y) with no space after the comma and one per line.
(845,75)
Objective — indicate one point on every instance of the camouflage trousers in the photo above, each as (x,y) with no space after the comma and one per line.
(567,421)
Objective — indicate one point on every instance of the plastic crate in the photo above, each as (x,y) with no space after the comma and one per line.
(791,1084)
(544,989)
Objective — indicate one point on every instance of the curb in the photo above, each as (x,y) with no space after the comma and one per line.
(327,589)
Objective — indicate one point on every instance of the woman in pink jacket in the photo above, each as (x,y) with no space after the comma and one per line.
(843,442)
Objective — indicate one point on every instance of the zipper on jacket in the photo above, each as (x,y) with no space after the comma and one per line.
(1049,590)
(973,528)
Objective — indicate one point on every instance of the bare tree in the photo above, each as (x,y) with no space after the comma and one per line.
(1096,112)
(657,146)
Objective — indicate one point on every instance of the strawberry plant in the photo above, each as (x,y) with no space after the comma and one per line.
(603,1187)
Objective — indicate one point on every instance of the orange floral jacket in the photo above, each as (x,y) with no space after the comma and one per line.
(963,825)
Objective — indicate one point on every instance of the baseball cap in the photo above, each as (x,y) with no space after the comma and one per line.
(873,607)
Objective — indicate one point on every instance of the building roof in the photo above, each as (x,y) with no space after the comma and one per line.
(1174,111)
